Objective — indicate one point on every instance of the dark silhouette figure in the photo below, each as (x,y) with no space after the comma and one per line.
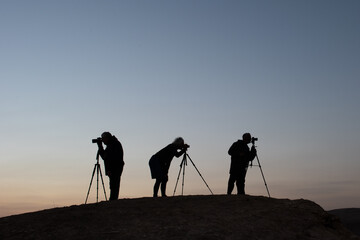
(241,155)
(113,157)
(160,163)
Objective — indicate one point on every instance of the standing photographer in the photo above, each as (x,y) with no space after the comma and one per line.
(241,155)
(113,157)
(160,163)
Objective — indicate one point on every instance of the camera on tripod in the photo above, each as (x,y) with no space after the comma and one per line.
(253,140)
(96,140)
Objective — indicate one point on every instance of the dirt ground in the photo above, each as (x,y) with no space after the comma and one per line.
(188,217)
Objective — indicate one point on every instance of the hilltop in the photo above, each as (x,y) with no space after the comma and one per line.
(188,217)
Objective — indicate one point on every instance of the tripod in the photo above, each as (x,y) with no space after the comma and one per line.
(97,168)
(251,164)
(182,167)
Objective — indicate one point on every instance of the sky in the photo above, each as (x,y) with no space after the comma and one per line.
(149,71)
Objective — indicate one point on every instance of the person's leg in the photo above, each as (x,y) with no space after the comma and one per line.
(114,187)
(163,186)
(156,187)
(230,184)
(240,182)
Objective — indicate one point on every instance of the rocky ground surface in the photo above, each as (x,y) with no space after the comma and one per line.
(188,217)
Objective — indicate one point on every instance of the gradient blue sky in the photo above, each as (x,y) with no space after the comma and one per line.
(148,71)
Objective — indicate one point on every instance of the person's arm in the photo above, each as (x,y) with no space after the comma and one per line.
(252,153)
(101,150)
(182,151)
(104,156)
(236,150)
(231,151)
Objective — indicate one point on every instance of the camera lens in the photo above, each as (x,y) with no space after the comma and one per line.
(96,140)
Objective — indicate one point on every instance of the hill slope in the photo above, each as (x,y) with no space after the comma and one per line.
(189,217)
(350,217)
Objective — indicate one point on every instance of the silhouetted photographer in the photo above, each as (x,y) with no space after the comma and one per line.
(160,164)
(113,156)
(241,155)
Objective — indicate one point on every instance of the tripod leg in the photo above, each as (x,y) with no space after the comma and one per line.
(199,173)
(183,180)
(177,180)
(262,175)
(90,184)
(102,180)
(97,183)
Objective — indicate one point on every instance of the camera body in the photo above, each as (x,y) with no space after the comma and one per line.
(253,139)
(96,140)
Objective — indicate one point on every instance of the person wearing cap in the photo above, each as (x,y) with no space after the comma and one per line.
(241,155)
(160,163)
(113,156)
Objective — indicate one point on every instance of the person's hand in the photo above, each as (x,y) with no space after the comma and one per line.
(253,149)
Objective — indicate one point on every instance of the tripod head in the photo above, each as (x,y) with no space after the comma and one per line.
(184,149)
(184,160)
(253,148)
(97,156)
